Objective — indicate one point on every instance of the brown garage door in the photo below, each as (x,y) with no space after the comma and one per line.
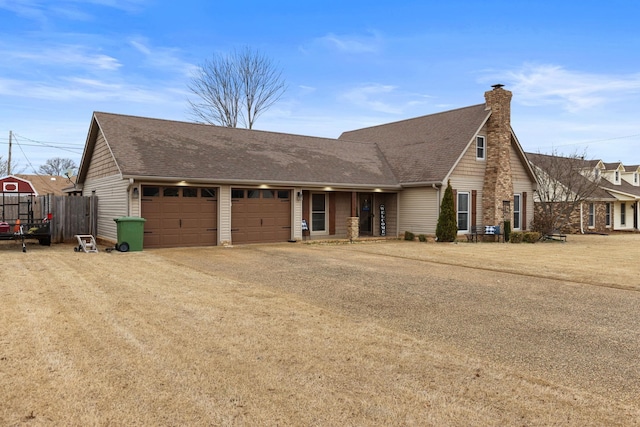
(179,216)
(260,216)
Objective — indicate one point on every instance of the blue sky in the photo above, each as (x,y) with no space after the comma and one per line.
(573,67)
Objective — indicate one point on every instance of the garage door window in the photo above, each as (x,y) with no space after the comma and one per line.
(208,192)
(171,192)
(189,192)
(150,191)
(237,194)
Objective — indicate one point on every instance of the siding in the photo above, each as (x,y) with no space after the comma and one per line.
(418,210)
(522,184)
(224,215)
(112,203)
(296,205)
(468,175)
(102,163)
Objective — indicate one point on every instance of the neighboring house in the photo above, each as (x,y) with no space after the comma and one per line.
(199,184)
(613,204)
(47,184)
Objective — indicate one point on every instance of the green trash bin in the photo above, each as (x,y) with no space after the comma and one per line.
(130,233)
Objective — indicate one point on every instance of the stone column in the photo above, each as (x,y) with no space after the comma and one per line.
(353,227)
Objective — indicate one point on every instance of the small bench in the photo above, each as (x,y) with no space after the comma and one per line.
(484,230)
(557,236)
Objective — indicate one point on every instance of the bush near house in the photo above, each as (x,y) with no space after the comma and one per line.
(409,236)
(447,228)
(422,237)
(524,237)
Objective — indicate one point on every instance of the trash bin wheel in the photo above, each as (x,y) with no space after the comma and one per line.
(123,247)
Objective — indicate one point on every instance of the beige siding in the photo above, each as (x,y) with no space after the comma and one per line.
(112,203)
(418,210)
(343,211)
(467,176)
(390,201)
(102,163)
(296,206)
(224,215)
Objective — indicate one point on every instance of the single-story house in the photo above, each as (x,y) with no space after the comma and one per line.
(198,184)
(613,192)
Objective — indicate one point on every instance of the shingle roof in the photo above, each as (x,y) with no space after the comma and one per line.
(425,149)
(47,184)
(542,160)
(146,147)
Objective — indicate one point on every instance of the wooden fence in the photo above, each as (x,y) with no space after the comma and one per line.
(73,215)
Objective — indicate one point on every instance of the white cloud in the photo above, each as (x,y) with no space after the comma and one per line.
(371,43)
(66,55)
(537,85)
(384,98)
(163,58)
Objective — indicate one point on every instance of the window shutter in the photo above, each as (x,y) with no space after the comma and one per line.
(455,201)
(474,204)
(332,213)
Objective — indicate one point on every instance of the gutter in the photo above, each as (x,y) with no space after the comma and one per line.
(581,220)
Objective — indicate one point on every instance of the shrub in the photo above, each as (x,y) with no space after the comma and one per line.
(409,235)
(531,237)
(516,237)
(422,237)
(447,228)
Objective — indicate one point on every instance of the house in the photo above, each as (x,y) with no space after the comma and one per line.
(47,184)
(612,192)
(199,184)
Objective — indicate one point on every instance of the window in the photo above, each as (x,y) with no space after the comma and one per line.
(189,192)
(463,211)
(623,214)
(150,191)
(617,177)
(635,178)
(253,194)
(319,212)
(607,215)
(480,147)
(237,193)
(283,194)
(592,215)
(517,212)
(171,191)
(208,192)
(268,194)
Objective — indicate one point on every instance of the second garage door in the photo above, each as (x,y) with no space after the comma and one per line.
(260,216)
(179,216)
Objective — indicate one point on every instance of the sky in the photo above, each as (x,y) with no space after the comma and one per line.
(573,67)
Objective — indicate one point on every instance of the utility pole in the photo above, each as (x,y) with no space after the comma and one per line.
(9,161)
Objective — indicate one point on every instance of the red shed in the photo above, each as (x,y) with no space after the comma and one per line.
(18,186)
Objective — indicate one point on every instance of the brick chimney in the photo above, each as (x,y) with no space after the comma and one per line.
(498,186)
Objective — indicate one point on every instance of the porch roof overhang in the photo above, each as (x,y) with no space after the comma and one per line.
(333,186)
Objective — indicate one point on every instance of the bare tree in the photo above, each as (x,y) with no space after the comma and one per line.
(235,88)
(56,166)
(4,170)
(564,182)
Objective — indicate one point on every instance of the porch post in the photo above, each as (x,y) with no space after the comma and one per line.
(353,224)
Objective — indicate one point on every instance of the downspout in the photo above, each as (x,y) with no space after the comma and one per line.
(581,220)
(438,193)
(129,196)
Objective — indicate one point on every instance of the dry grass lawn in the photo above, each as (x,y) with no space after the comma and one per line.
(391,333)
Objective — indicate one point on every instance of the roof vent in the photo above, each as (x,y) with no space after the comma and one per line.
(498,86)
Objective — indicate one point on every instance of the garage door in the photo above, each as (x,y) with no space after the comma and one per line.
(260,216)
(179,216)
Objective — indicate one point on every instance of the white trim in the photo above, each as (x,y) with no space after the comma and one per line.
(518,210)
(468,211)
(484,147)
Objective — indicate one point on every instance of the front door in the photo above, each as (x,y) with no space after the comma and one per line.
(366,214)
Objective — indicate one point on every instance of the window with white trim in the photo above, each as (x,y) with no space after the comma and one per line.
(481,147)
(463,211)
(623,214)
(319,214)
(592,215)
(635,178)
(616,178)
(517,211)
(607,215)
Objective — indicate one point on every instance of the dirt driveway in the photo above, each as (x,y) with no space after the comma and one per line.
(393,333)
